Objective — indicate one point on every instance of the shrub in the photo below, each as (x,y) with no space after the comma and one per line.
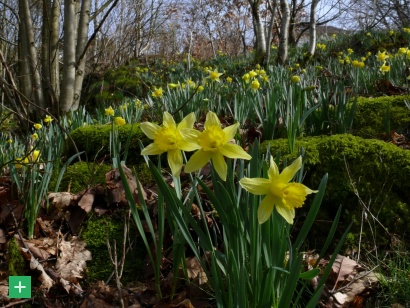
(95,140)
(370,117)
(378,170)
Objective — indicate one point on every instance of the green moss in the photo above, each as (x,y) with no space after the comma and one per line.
(370,116)
(95,139)
(95,235)
(378,170)
(81,175)
(15,259)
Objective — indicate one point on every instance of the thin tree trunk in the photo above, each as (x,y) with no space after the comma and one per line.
(27,26)
(54,54)
(81,45)
(68,75)
(272,8)
(284,32)
(260,48)
(312,28)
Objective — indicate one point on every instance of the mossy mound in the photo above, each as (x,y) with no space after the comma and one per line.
(95,234)
(80,176)
(379,171)
(371,115)
(94,140)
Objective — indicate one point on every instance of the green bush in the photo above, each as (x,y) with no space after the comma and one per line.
(370,118)
(378,170)
(80,176)
(95,141)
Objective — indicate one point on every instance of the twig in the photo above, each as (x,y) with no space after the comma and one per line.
(22,301)
(354,279)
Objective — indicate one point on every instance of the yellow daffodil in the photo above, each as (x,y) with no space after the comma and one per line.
(253,74)
(173,85)
(385,68)
(357,63)
(48,119)
(37,126)
(214,76)
(334,35)
(35,155)
(368,34)
(119,121)
(34,136)
(402,50)
(407,30)
(246,77)
(295,79)
(109,111)
(255,85)
(168,138)
(350,51)
(214,143)
(9,140)
(200,88)
(157,93)
(382,56)
(321,46)
(229,79)
(279,192)
(20,161)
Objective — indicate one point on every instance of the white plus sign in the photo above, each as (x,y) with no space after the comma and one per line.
(20,287)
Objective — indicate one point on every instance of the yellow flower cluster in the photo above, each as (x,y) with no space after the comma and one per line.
(213,143)
(359,64)
(321,46)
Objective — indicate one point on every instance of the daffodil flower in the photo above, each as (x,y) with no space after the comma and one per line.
(119,121)
(109,111)
(214,144)
(214,76)
(48,119)
(37,126)
(168,138)
(279,192)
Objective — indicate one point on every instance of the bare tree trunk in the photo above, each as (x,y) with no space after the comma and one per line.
(284,32)
(272,8)
(82,40)
(260,48)
(312,28)
(68,75)
(27,27)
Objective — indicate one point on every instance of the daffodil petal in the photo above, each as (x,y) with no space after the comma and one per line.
(288,214)
(197,160)
(149,129)
(273,169)
(211,120)
(152,149)
(234,151)
(230,131)
(265,209)
(189,146)
(190,135)
(220,166)
(187,122)
(175,161)
(168,120)
(289,172)
(256,186)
